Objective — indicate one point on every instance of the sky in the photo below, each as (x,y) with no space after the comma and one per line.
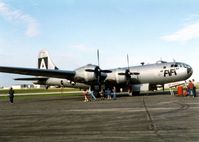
(73,30)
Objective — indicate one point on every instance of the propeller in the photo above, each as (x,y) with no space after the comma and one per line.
(127,72)
(98,71)
(97,68)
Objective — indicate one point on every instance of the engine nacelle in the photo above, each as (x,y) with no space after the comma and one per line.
(57,81)
(120,78)
(62,83)
(85,76)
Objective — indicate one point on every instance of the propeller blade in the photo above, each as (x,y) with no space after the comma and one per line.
(121,73)
(89,70)
(98,57)
(130,73)
(98,70)
(106,71)
(128,60)
(135,73)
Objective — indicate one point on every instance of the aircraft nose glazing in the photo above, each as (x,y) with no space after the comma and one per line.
(189,70)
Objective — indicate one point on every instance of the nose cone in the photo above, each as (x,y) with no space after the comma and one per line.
(189,70)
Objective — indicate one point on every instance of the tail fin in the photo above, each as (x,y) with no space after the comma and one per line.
(44,61)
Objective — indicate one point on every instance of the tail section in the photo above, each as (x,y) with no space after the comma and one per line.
(44,61)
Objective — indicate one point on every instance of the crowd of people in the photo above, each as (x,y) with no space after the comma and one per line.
(90,95)
(189,89)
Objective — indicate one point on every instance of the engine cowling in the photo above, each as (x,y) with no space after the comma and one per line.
(85,76)
(120,78)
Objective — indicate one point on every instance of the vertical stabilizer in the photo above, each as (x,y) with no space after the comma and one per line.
(44,61)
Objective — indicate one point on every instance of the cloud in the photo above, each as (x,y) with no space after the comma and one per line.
(184,34)
(19,16)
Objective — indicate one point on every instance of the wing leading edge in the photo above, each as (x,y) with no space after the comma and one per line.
(39,72)
(31,79)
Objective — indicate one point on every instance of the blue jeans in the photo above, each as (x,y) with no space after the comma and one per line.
(114,95)
(191,92)
(92,95)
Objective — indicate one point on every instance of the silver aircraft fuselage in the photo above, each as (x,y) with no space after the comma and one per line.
(159,73)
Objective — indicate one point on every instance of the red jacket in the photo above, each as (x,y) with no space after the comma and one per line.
(190,86)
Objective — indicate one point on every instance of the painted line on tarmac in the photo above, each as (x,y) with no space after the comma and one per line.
(41,93)
(119,109)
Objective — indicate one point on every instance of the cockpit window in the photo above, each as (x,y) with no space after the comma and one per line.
(176,65)
(186,66)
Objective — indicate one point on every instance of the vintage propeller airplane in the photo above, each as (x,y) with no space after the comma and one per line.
(132,78)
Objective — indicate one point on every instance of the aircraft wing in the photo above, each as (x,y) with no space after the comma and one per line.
(39,72)
(31,79)
(172,86)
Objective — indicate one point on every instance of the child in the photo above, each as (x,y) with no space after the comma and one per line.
(85,93)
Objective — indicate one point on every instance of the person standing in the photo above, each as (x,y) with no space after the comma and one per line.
(108,93)
(114,93)
(190,86)
(194,87)
(11,95)
(102,94)
(85,93)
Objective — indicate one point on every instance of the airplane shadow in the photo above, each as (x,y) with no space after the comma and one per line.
(147,93)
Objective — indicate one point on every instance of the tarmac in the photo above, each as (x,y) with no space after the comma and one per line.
(145,118)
